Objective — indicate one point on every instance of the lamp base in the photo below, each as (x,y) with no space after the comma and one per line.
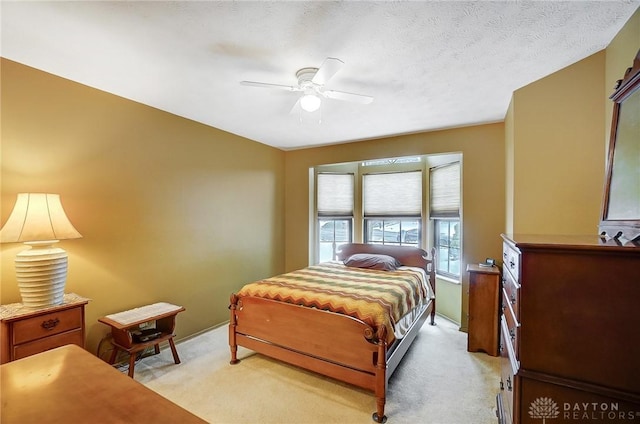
(42,274)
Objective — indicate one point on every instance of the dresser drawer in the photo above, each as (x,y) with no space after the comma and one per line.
(46,325)
(511,260)
(27,349)
(503,414)
(506,388)
(511,323)
(508,369)
(511,294)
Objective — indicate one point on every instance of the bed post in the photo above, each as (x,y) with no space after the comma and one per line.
(232,330)
(432,280)
(381,376)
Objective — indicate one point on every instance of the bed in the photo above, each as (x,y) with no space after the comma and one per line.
(318,319)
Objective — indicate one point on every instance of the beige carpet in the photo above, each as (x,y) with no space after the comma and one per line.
(438,382)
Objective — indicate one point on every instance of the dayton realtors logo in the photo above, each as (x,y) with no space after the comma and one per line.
(546,408)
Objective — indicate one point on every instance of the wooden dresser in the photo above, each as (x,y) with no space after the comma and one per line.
(24,331)
(570,341)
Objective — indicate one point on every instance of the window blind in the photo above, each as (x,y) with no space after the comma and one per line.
(444,185)
(392,194)
(335,194)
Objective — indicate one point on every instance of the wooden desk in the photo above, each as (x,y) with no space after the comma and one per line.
(122,333)
(70,385)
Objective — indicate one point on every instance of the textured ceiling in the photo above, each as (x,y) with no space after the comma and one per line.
(428,64)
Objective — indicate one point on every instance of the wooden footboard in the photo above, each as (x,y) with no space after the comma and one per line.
(331,344)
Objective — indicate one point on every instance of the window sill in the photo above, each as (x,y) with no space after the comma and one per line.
(448,279)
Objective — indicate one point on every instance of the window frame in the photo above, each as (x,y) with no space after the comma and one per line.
(391,203)
(439,245)
(445,202)
(401,242)
(334,243)
(426,236)
(334,209)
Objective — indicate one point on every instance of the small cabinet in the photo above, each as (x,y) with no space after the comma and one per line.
(484,301)
(25,332)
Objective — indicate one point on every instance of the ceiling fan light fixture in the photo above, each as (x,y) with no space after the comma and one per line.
(310,102)
(311,82)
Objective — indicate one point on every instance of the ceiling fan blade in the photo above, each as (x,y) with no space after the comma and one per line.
(296,109)
(328,69)
(349,97)
(267,85)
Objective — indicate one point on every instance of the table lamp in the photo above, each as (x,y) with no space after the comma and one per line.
(38,220)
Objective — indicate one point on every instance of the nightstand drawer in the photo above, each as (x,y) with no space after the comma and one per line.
(27,349)
(26,331)
(46,325)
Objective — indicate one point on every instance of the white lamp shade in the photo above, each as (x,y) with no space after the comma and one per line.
(38,220)
(37,217)
(310,102)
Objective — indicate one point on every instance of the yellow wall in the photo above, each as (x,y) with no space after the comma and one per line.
(557,130)
(557,154)
(483,180)
(170,210)
(509,163)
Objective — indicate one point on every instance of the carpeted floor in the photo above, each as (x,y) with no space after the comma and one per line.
(438,382)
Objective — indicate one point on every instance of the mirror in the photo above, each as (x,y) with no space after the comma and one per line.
(621,203)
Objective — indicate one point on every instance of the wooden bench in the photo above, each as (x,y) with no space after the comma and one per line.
(125,324)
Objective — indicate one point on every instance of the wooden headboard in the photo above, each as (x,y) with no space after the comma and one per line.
(407,255)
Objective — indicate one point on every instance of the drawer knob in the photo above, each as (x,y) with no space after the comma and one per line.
(50,323)
(512,264)
(509,386)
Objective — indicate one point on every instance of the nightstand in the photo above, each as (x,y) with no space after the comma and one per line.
(26,331)
(484,313)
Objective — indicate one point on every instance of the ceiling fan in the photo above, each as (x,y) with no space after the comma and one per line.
(311,82)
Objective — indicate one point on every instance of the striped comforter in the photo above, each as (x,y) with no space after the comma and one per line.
(375,297)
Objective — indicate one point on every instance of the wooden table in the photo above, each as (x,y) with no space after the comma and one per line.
(70,385)
(123,333)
